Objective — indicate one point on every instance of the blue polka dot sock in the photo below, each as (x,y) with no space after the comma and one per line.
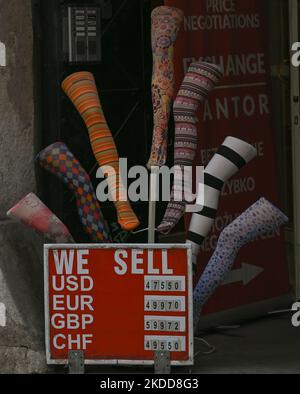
(261,218)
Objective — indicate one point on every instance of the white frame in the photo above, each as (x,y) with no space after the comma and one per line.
(295,113)
(47,247)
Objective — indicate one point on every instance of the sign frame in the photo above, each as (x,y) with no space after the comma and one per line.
(190,328)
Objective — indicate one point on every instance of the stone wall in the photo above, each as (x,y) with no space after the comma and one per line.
(21,270)
(16,103)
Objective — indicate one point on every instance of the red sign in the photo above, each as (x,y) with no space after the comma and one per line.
(233,34)
(119,303)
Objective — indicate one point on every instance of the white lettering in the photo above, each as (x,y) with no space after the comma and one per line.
(137,260)
(81,261)
(122,269)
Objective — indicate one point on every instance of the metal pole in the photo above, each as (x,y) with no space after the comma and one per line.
(162,360)
(295,115)
(152,204)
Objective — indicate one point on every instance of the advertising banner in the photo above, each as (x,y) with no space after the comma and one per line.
(233,34)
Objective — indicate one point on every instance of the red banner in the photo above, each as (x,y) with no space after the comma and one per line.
(233,34)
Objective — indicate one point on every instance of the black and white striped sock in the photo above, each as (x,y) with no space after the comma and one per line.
(231,157)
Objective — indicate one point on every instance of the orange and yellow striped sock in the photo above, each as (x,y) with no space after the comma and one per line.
(81,88)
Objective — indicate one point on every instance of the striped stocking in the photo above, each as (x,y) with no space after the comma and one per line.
(166,22)
(259,219)
(198,83)
(32,212)
(82,91)
(231,157)
(58,160)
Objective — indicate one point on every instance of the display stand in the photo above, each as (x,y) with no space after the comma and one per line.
(162,361)
(76,362)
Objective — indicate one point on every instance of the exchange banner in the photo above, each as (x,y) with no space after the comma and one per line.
(233,34)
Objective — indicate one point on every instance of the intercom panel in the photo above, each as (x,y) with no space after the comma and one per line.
(82,34)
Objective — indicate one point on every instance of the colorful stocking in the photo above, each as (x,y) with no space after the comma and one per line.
(58,160)
(82,91)
(259,219)
(231,157)
(166,22)
(198,83)
(32,212)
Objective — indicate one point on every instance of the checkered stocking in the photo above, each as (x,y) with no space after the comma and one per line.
(58,160)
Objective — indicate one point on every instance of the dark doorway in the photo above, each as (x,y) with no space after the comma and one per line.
(124,81)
